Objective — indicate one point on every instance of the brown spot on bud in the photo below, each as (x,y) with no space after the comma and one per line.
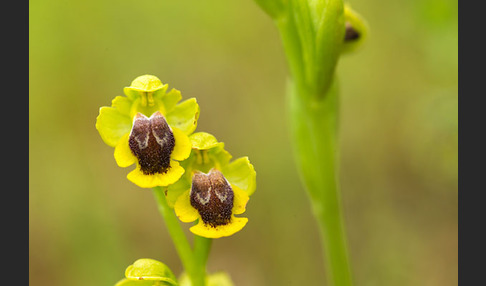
(152,141)
(351,34)
(212,196)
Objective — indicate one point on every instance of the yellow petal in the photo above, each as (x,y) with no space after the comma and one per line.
(149,181)
(123,155)
(240,200)
(236,224)
(182,148)
(183,209)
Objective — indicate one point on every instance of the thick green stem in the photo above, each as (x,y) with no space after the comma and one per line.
(312,102)
(189,262)
(313,120)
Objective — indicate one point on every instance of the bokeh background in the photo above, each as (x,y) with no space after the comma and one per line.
(398,140)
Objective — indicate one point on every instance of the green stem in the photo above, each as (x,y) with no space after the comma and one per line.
(313,106)
(202,246)
(313,121)
(188,259)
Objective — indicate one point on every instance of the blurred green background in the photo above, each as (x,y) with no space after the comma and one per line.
(398,136)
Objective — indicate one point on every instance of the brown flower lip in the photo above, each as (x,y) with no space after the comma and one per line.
(152,142)
(212,196)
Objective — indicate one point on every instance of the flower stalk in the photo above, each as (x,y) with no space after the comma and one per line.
(193,260)
(202,247)
(179,239)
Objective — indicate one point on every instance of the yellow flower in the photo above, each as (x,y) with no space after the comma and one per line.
(214,202)
(212,190)
(155,148)
(150,129)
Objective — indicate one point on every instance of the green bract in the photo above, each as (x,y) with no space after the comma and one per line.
(147,271)
(242,174)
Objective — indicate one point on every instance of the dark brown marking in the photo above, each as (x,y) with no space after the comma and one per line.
(152,142)
(212,196)
(351,34)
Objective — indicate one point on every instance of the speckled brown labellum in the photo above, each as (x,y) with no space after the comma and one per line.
(212,196)
(351,34)
(152,141)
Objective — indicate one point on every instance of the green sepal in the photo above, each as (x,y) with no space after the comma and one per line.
(206,159)
(150,269)
(241,173)
(215,150)
(143,84)
(203,141)
(184,116)
(359,25)
(114,122)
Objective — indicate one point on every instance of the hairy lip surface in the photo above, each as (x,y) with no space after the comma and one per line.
(152,141)
(212,196)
